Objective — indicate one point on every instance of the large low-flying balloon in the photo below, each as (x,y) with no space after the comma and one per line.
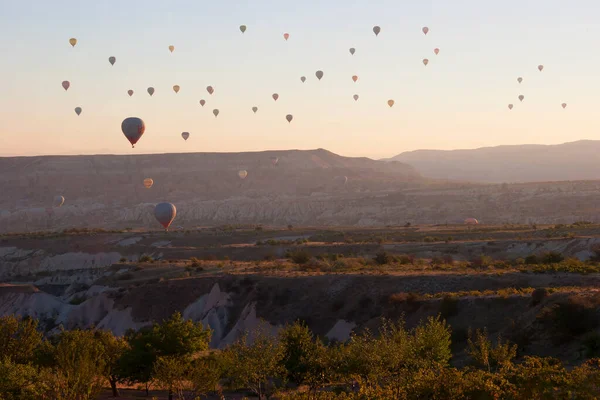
(73,41)
(354,78)
(390,103)
(510,106)
(210,89)
(133,128)
(289,117)
(425,61)
(112,60)
(165,214)
(216,112)
(243,174)
(130,92)
(286,36)
(541,67)
(303,79)
(519,79)
(202,102)
(425,30)
(171,48)
(78,110)
(355,97)
(352,50)
(243,28)
(319,74)
(376,30)
(58,201)
(436,51)
(564,105)
(471,221)
(275,96)
(254,109)
(66,85)
(274,160)
(176,88)
(150,91)
(185,135)
(521,97)
(148,182)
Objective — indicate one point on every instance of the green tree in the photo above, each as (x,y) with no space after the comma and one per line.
(114,348)
(20,381)
(19,338)
(488,356)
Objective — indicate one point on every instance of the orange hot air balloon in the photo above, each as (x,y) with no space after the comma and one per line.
(289,117)
(275,96)
(130,92)
(176,88)
(171,48)
(354,78)
(66,85)
(202,102)
(243,174)
(210,89)
(216,112)
(376,30)
(425,30)
(541,67)
(148,183)
(471,221)
(355,97)
(521,97)
(425,61)
(390,103)
(286,36)
(564,105)
(436,51)
(150,91)
(303,79)
(510,106)
(319,74)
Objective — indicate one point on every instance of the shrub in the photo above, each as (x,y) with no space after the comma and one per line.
(300,257)
(574,317)
(405,259)
(552,258)
(382,258)
(430,239)
(404,297)
(538,295)
(146,259)
(531,259)
(122,260)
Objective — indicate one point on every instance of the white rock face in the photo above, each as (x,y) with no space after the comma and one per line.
(211,310)
(341,331)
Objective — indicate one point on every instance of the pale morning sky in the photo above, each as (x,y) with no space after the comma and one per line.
(458,101)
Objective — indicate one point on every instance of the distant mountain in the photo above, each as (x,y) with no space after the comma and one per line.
(520,163)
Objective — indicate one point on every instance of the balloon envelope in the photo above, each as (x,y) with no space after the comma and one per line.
(436,51)
(66,85)
(202,102)
(210,89)
(425,61)
(216,112)
(286,36)
(319,74)
(376,30)
(255,109)
(355,97)
(521,97)
(303,79)
(185,135)
(165,214)
(243,174)
(148,183)
(510,106)
(176,88)
(352,50)
(390,103)
(275,96)
(274,160)
(150,91)
(519,79)
(289,117)
(425,30)
(77,110)
(540,67)
(564,105)
(130,92)
(112,60)
(58,201)
(133,128)
(243,28)
(73,41)
(471,221)
(171,48)
(355,78)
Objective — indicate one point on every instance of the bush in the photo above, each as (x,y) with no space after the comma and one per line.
(430,239)
(531,259)
(146,259)
(405,259)
(552,258)
(382,258)
(574,317)
(538,295)
(300,257)
(404,297)
(122,260)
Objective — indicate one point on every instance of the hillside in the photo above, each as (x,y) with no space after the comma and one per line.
(524,163)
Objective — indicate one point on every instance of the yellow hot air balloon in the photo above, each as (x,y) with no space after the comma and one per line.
(148,183)
(171,48)
(243,174)
(390,103)
(176,88)
(289,117)
(73,41)
(354,78)
(425,61)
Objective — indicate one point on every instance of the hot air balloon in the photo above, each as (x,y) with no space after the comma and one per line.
(376,30)
(510,106)
(254,109)
(355,97)
(148,183)
(150,91)
(202,102)
(564,105)
(436,51)
(541,68)
(216,112)
(66,85)
(521,97)
(352,50)
(354,78)
(286,36)
(171,48)
(471,221)
(210,89)
(133,128)
(130,92)
(165,214)
(73,41)
(185,135)
(390,103)
(112,60)
(78,110)
(289,117)
(243,174)
(425,30)
(319,74)
(58,201)
(425,61)
(519,79)
(274,160)
(176,88)
(303,79)
(275,96)
(341,179)
(243,28)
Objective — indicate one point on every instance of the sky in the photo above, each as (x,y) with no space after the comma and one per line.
(458,101)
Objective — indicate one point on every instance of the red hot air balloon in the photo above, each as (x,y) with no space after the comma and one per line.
(286,36)
(165,214)
(133,128)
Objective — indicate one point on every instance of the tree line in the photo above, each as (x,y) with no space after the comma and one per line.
(173,355)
